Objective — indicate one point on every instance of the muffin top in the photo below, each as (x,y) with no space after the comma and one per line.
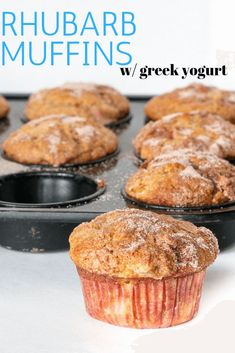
(4,107)
(101,103)
(183,178)
(193,97)
(58,140)
(131,243)
(198,131)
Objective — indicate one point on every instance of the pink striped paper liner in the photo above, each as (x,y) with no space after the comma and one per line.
(142,303)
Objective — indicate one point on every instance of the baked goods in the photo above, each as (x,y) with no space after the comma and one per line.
(4,107)
(102,103)
(198,131)
(141,269)
(59,140)
(183,178)
(193,97)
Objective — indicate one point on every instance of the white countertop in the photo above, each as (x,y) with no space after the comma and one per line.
(42,311)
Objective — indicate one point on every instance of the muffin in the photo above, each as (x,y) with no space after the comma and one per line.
(183,178)
(4,107)
(140,269)
(101,103)
(193,97)
(59,140)
(198,131)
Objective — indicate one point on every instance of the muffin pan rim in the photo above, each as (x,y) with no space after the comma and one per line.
(200,210)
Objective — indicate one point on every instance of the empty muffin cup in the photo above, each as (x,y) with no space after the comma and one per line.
(41,190)
(46,189)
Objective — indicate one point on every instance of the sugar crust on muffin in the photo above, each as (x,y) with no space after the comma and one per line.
(58,140)
(185,179)
(198,131)
(99,102)
(131,243)
(193,97)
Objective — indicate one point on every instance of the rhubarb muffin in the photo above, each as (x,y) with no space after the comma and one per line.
(193,97)
(4,107)
(101,103)
(59,140)
(198,131)
(140,269)
(183,179)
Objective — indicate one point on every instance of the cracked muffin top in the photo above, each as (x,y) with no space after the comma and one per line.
(59,140)
(193,97)
(183,178)
(4,107)
(132,243)
(198,131)
(101,103)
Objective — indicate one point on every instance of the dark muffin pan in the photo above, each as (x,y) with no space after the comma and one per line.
(33,225)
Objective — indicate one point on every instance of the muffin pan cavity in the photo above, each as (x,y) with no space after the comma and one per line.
(42,190)
(47,189)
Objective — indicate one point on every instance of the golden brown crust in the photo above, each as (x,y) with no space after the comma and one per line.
(193,97)
(101,103)
(185,179)
(131,243)
(59,140)
(197,131)
(4,107)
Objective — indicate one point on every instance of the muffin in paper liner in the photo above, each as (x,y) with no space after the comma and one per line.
(142,303)
(139,269)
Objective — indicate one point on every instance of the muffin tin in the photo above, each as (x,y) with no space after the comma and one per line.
(46,226)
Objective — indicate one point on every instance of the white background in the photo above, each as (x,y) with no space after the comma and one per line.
(184,32)
(42,311)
